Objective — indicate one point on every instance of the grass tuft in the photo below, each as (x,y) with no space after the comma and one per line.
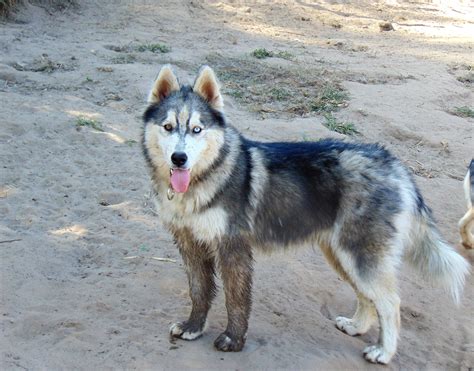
(124,59)
(463,111)
(346,128)
(279,93)
(130,142)
(330,99)
(84,121)
(262,53)
(154,48)
(283,54)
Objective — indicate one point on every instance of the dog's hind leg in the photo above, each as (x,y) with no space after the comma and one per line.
(199,265)
(377,286)
(365,314)
(362,320)
(235,263)
(380,288)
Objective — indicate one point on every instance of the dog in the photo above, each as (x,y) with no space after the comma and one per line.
(223,196)
(466,224)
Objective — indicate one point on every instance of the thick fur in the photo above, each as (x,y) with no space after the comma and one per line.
(466,224)
(356,201)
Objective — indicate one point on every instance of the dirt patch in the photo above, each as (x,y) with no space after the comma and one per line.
(45,64)
(276,89)
(464,73)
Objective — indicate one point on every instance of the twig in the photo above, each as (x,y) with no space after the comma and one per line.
(163,259)
(266,109)
(457,177)
(152,257)
(7,241)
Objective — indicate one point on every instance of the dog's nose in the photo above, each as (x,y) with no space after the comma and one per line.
(179,158)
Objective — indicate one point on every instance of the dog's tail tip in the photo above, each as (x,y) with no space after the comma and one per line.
(438,262)
(453,272)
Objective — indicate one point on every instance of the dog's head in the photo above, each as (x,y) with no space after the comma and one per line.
(184,127)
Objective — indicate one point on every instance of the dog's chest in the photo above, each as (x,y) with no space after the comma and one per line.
(208,225)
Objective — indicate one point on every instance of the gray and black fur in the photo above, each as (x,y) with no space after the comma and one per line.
(356,201)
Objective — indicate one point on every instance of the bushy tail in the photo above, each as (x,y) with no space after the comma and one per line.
(437,262)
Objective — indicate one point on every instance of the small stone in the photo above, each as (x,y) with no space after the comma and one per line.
(386,26)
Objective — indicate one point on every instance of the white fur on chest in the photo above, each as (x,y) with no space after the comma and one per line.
(207,226)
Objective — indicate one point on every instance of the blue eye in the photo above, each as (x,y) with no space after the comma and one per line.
(196,130)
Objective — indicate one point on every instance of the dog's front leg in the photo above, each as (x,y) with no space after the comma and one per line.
(235,263)
(200,271)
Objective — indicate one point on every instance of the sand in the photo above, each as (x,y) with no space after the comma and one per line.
(79,286)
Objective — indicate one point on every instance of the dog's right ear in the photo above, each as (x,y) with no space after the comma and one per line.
(164,85)
(207,86)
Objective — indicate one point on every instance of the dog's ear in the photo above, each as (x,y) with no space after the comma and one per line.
(207,86)
(164,85)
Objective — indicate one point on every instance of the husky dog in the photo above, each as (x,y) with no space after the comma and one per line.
(222,196)
(466,224)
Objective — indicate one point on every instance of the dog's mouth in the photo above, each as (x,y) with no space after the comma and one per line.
(179,179)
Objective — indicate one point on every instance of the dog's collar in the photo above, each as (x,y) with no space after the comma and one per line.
(170,194)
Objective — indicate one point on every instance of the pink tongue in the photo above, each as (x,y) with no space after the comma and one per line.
(180,180)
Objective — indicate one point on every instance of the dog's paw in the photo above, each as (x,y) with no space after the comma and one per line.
(186,330)
(226,343)
(348,326)
(377,354)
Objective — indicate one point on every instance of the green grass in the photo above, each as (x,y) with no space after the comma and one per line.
(236,94)
(124,59)
(130,142)
(279,93)
(154,48)
(346,128)
(464,111)
(293,89)
(283,54)
(84,121)
(330,99)
(262,53)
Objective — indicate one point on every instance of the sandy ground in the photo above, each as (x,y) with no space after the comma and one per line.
(79,286)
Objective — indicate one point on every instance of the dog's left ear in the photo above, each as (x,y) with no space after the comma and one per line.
(207,86)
